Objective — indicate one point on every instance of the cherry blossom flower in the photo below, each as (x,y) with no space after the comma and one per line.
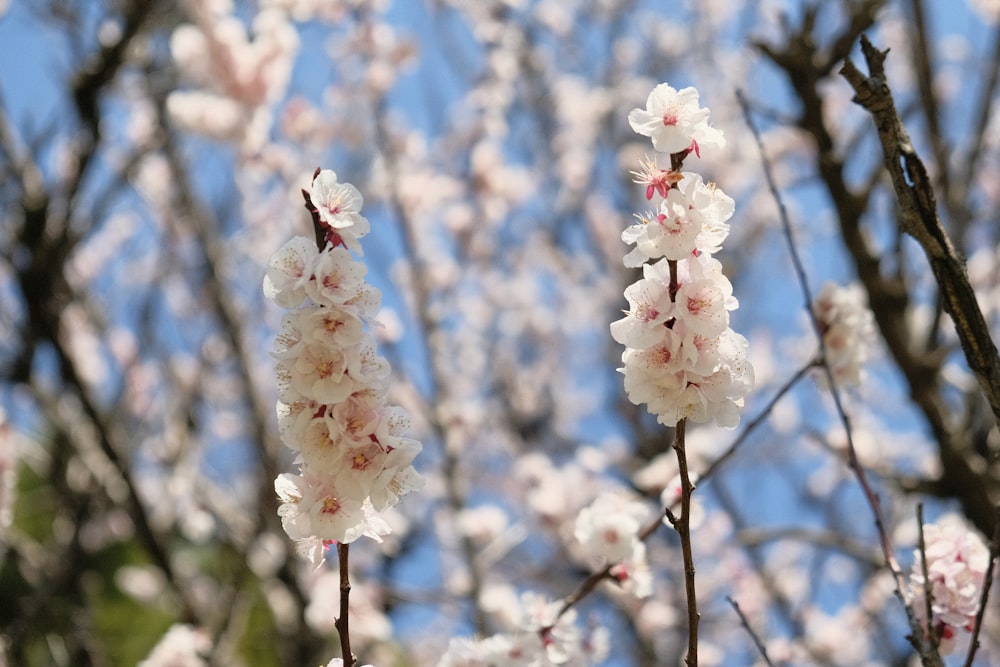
(339,280)
(354,457)
(320,373)
(957,561)
(701,305)
(539,639)
(609,527)
(681,359)
(181,645)
(674,121)
(289,271)
(646,317)
(692,216)
(339,207)
(848,327)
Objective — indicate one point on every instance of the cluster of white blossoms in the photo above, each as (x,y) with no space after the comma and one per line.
(681,358)
(957,561)
(608,529)
(354,457)
(542,638)
(847,326)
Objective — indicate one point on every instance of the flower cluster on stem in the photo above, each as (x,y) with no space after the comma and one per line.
(354,456)
(956,563)
(681,357)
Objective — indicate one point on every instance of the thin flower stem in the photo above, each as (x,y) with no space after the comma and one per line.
(750,631)
(582,591)
(342,623)
(853,462)
(930,636)
(683,527)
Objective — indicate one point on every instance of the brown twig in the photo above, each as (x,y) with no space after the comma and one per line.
(683,527)
(930,639)
(918,217)
(343,621)
(750,631)
(888,295)
(583,590)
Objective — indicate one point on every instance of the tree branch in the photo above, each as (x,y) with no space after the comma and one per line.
(918,217)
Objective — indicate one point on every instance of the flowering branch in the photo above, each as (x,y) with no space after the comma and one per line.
(820,327)
(681,358)
(354,458)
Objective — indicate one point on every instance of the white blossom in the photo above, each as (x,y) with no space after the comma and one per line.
(182,646)
(848,327)
(957,561)
(646,318)
(339,207)
(609,527)
(354,456)
(681,359)
(289,271)
(674,121)
(541,638)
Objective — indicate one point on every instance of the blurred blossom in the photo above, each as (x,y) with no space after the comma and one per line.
(182,646)
(539,639)
(847,327)
(8,468)
(239,77)
(609,527)
(957,561)
(482,524)
(368,623)
(988,9)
